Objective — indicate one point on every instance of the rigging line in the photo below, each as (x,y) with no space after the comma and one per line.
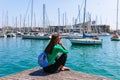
(26,12)
(47,18)
(80,9)
(82,5)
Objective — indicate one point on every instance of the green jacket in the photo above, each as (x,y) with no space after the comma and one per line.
(57,49)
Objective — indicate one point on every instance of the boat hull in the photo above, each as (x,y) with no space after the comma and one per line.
(115,39)
(86,41)
(36,37)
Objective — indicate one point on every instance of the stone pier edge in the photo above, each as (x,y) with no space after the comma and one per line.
(38,74)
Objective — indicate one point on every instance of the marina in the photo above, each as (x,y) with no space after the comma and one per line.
(101,60)
(92,41)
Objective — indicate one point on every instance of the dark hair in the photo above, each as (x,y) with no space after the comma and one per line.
(54,40)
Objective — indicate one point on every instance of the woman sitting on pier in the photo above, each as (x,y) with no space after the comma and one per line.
(56,62)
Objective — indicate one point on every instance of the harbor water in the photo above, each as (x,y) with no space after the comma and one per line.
(17,54)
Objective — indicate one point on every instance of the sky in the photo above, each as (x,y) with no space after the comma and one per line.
(14,12)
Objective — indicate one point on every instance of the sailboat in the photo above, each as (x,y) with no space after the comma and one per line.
(86,39)
(40,36)
(115,36)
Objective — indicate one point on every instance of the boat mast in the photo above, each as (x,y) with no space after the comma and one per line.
(79,13)
(84,16)
(2,19)
(7,18)
(117,15)
(43,17)
(58,16)
(31,14)
(65,18)
(20,23)
(16,22)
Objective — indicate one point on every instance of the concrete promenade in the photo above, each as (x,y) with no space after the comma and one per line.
(39,74)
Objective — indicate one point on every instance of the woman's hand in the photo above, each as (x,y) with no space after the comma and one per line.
(60,43)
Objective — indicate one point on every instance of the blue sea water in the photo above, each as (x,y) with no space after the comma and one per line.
(17,54)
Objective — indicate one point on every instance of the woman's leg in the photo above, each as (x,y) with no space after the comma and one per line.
(59,62)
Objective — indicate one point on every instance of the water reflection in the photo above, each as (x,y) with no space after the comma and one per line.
(85,46)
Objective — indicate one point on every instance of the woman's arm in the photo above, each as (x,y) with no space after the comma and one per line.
(60,43)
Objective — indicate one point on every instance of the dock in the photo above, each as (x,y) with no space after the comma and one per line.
(38,74)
